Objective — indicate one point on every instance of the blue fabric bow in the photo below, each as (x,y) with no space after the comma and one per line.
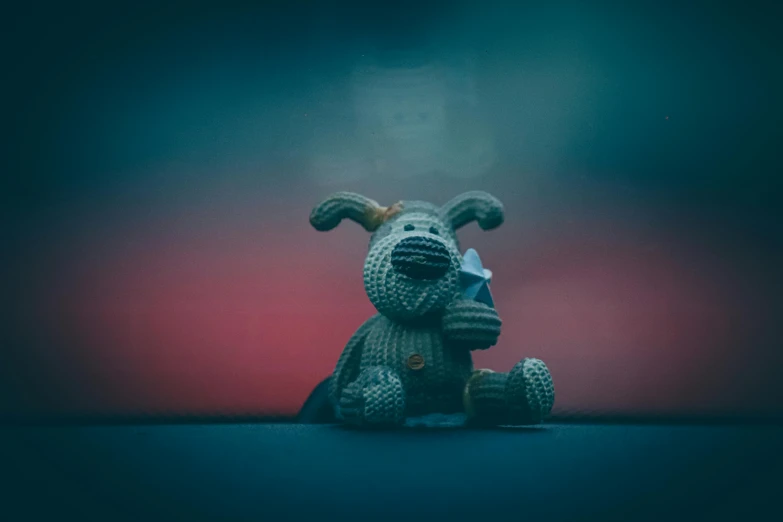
(475,279)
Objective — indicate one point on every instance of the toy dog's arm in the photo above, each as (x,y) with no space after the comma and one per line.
(347,369)
(471,324)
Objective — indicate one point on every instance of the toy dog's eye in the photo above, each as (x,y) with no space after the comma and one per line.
(433,230)
(408,227)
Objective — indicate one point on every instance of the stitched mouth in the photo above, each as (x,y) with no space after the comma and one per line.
(420,258)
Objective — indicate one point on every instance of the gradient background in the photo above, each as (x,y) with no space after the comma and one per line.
(157,257)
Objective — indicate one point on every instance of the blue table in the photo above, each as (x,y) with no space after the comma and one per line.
(305,472)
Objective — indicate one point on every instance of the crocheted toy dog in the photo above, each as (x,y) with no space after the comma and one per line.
(413,358)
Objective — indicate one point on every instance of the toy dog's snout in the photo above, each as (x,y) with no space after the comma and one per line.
(420,257)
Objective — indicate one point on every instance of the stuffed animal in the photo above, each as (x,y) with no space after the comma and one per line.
(413,358)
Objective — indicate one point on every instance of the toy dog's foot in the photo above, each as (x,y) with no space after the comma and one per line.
(530,392)
(376,398)
(523,396)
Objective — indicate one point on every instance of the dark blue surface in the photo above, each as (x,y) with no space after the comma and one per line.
(300,472)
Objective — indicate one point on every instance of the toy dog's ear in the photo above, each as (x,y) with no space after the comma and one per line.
(341,205)
(478,206)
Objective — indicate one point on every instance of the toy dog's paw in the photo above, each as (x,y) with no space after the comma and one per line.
(530,392)
(376,398)
(472,324)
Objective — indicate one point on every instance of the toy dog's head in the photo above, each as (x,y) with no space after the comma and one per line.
(411,269)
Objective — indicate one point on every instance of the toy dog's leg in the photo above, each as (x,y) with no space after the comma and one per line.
(375,398)
(523,396)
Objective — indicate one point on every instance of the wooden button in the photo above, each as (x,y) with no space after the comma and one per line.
(415,362)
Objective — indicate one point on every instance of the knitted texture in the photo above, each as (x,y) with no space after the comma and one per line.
(347,205)
(525,395)
(474,206)
(530,392)
(471,324)
(414,357)
(376,397)
(420,257)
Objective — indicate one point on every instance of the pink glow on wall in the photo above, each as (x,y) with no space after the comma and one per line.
(197,323)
